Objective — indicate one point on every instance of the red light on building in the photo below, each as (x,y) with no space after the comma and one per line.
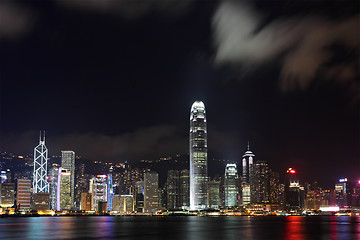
(290,170)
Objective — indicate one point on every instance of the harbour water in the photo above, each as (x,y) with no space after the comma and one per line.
(186,227)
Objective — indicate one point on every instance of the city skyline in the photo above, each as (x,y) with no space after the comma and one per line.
(115,87)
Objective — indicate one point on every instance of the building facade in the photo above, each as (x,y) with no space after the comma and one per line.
(198,157)
(98,190)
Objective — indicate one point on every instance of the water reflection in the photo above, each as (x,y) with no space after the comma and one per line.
(294,228)
(173,228)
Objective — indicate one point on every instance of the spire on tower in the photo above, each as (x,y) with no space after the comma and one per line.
(248,146)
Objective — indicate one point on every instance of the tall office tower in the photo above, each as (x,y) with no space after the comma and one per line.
(68,162)
(274,187)
(343,193)
(23,194)
(7,195)
(259,182)
(198,157)
(151,192)
(247,162)
(110,192)
(173,189)
(40,166)
(214,193)
(292,191)
(63,201)
(184,189)
(231,185)
(53,186)
(98,189)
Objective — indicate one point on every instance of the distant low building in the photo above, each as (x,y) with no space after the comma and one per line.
(85,203)
(102,207)
(7,195)
(41,201)
(123,203)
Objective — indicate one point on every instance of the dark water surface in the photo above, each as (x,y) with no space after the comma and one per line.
(189,228)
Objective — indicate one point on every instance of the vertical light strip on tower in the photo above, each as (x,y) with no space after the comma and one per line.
(110,192)
(40,183)
(198,157)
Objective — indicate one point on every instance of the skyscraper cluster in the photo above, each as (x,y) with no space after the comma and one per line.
(120,188)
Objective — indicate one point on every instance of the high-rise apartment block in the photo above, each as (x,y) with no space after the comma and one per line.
(23,194)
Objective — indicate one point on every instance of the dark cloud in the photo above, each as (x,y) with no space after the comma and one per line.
(305,42)
(141,143)
(15,20)
(129,9)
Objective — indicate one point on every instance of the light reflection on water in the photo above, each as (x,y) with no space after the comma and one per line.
(172,228)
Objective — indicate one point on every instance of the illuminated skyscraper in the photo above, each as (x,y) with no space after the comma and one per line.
(68,163)
(98,189)
(40,183)
(198,157)
(110,192)
(231,185)
(247,162)
(53,186)
(151,192)
(64,190)
(259,182)
(292,191)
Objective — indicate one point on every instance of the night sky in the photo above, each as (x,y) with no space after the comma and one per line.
(115,80)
